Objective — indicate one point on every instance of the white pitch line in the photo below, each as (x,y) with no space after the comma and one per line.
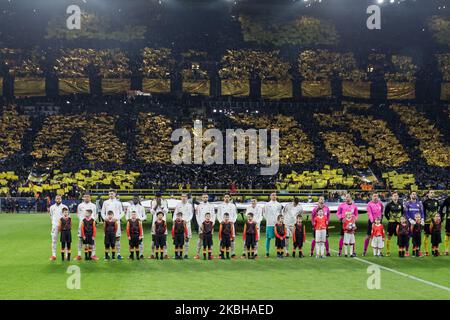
(398,272)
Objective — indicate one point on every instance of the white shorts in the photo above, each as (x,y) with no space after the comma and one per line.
(321,235)
(377,242)
(349,238)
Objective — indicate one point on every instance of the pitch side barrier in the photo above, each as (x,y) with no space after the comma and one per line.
(256,192)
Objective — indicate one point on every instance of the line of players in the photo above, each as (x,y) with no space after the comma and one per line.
(407,220)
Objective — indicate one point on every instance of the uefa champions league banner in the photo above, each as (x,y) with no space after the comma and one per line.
(113,86)
(29,87)
(235,87)
(73,85)
(353,89)
(401,90)
(276,89)
(445,91)
(200,87)
(155,85)
(316,89)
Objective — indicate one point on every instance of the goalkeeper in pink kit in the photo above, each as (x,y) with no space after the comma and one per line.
(326,213)
(374,211)
(347,206)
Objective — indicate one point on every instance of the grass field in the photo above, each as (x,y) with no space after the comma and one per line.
(28,274)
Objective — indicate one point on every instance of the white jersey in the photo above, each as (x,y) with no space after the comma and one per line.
(56,213)
(81,210)
(140,210)
(113,205)
(186,211)
(154,209)
(272,210)
(257,213)
(229,208)
(202,209)
(290,213)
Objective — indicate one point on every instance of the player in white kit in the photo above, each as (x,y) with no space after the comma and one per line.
(114,205)
(81,214)
(158,205)
(271,211)
(228,207)
(290,212)
(187,212)
(203,208)
(55,216)
(257,217)
(137,207)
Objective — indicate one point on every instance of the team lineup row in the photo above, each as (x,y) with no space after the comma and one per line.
(284,224)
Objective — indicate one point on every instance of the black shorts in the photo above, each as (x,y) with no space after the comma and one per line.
(280,243)
(250,240)
(402,240)
(110,240)
(134,241)
(225,242)
(426,229)
(392,228)
(207,240)
(178,240)
(88,240)
(159,240)
(66,236)
(436,239)
(298,243)
(416,239)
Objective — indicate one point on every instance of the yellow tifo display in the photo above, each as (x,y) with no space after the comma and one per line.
(5,178)
(400,181)
(84,179)
(322,179)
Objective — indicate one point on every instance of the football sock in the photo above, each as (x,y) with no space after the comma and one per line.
(446,240)
(313,245)
(341,242)
(293,253)
(62,255)
(267,245)
(388,246)
(425,242)
(137,254)
(68,255)
(327,246)
(366,244)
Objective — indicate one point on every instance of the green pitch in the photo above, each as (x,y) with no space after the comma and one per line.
(28,274)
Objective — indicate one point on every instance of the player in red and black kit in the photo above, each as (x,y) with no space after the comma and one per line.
(88,233)
(416,235)
(179,235)
(436,237)
(298,236)
(226,235)
(250,236)
(207,229)
(159,235)
(110,226)
(134,233)
(65,227)
(280,236)
(402,236)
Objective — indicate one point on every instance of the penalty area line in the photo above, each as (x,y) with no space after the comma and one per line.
(398,272)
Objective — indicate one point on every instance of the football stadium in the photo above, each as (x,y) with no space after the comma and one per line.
(225,150)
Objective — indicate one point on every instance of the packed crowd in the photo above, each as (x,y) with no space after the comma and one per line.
(348,138)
